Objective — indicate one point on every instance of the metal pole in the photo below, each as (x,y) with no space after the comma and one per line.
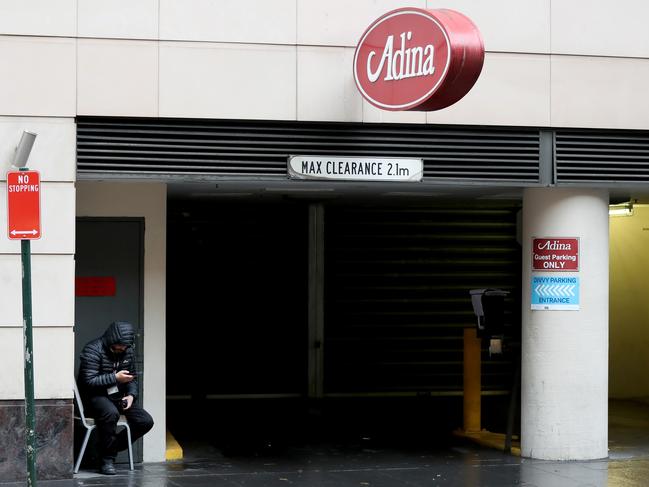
(513,401)
(472,386)
(30,419)
(316,300)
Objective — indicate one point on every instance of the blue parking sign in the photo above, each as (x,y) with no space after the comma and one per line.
(555,293)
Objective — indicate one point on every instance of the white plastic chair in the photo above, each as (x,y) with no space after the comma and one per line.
(89,424)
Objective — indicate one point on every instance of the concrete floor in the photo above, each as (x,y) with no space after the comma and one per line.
(453,462)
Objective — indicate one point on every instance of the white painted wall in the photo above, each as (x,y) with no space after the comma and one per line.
(600,28)
(39,17)
(117,78)
(230,21)
(290,60)
(227,80)
(53,156)
(118,19)
(105,199)
(40,76)
(599,92)
(564,392)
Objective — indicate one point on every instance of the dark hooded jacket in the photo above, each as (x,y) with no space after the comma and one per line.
(98,364)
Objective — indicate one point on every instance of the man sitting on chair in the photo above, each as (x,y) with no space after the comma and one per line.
(108,387)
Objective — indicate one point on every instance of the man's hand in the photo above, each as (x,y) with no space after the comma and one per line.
(124,376)
(129,402)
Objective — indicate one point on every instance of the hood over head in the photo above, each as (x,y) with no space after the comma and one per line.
(119,332)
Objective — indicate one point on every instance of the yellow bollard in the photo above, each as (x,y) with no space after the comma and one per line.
(472,386)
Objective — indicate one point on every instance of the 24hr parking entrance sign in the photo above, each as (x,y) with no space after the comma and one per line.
(24,205)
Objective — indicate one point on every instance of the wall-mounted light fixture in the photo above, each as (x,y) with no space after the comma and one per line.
(621,209)
(23,149)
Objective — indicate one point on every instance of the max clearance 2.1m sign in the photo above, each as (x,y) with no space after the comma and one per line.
(418,59)
(24,205)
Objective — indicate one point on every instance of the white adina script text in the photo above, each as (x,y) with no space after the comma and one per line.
(403,63)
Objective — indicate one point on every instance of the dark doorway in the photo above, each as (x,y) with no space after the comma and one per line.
(396,302)
(109,261)
(236,317)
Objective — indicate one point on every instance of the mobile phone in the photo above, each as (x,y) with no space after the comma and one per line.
(124,403)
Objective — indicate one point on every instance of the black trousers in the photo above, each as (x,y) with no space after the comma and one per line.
(106,414)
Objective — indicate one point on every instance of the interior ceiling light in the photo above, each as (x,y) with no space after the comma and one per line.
(514,195)
(219,195)
(298,190)
(415,194)
(622,209)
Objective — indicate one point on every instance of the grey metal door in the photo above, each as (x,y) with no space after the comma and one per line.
(109,272)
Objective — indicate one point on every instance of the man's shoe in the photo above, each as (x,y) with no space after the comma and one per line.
(107,467)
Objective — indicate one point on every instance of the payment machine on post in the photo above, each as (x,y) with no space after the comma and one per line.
(489,308)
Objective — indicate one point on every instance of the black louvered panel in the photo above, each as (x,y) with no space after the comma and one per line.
(261,148)
(397,294)
(602,156)
(485,154)
(182,147)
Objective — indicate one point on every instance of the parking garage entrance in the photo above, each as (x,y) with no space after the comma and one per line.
(293,321)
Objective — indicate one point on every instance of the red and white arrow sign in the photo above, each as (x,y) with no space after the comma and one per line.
(24,232)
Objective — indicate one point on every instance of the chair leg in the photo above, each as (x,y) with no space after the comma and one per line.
(83,450)
(130,447)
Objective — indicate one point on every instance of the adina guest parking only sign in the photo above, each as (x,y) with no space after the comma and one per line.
(555,254)
(418,59)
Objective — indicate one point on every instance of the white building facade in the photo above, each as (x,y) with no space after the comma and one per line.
(549,64)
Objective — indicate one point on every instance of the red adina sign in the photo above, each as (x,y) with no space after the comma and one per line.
(555,254)
(418,59)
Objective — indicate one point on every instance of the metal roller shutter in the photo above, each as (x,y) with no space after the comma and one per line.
(397,294)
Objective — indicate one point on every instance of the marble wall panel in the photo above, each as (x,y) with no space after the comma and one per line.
(54,440)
